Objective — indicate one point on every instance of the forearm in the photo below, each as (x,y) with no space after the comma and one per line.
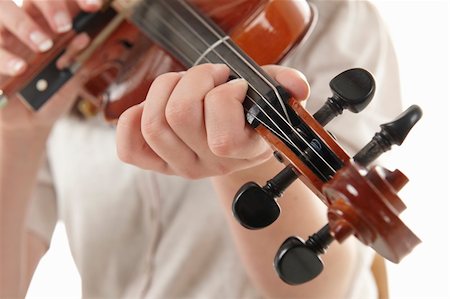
(20,157)
(302,214)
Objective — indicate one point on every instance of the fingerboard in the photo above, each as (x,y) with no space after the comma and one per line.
(192,38)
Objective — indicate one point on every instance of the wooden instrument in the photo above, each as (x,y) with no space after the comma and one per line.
(132,48)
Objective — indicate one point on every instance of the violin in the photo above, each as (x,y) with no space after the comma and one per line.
(135,41)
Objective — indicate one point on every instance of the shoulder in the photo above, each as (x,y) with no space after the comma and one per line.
(347,32)
(344,11)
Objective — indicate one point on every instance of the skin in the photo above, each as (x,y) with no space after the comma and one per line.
(207,127)
(24,134)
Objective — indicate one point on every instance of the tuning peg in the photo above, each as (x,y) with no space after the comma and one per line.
(391,133)
(256,207)
(352,89)
(297,262)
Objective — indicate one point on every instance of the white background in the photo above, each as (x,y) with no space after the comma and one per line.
(420,31)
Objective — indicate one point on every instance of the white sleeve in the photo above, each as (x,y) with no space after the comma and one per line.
(42,214)
(350,34)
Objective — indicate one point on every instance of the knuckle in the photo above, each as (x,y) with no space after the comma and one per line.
(222,145)
(165,78)
(152,127)
(176,113)
(206,68)
(217,93)
(126,121)
(124,152)
(200,68)
(125,118)
(23,28)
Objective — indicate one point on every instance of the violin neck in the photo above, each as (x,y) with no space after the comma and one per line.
(192,38)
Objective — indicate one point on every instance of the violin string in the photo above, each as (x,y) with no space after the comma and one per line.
(175,13)
(212,30)
(286,139)
(194,13)
(212,49)
(187,59)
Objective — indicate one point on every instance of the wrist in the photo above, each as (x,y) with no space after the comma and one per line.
(259,173)
(22,144)
(24,134)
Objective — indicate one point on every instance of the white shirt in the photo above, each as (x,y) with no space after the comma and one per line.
(135,233)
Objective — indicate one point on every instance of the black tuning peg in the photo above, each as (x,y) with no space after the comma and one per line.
(297,262)
(256,207)
(352,89)
(391,133)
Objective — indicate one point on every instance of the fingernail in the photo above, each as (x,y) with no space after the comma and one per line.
(219,66)
(96,3)
(62,21)
(41,41)
(16,66)
(238,81)
(3,100)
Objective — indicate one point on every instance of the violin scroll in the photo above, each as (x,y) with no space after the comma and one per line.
(363,203)
(361,200)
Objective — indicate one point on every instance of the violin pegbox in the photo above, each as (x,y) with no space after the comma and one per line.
(256,207)
(362,200)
